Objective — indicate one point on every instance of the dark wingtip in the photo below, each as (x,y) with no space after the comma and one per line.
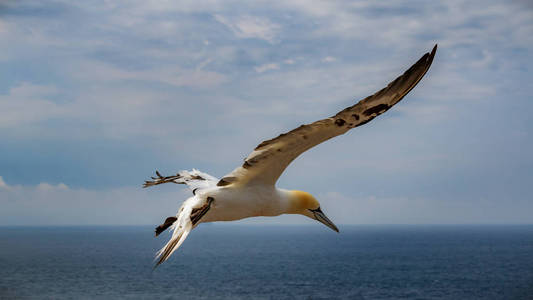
(160,229)
(432,54)
(156,265)
(168,222)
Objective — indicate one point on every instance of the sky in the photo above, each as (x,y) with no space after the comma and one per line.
(97,95)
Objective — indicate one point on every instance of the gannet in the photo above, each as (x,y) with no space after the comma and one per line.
(250,190)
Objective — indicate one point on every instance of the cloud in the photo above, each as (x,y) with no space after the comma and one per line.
(57,204)
(328,59)
(266,67)
(451,23)
(43,186)
(372,209)
(3,184)
(251,27)
(174,76)
(27,103)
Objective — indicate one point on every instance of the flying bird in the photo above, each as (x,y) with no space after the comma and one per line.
(250,190)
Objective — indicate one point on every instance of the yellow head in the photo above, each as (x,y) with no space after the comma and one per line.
(305,204)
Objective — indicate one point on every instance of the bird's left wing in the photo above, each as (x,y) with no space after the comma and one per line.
(270,158)
(195,180)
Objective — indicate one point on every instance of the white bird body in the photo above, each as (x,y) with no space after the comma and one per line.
(250,191)
(239,202)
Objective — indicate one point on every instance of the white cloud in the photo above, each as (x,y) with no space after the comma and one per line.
(329,59)
(28,103)
(29,90)
(266,67)
(372,209)
(49,204)
(174,75)
(251,27)
(449,23)
(44,186)
(3,184)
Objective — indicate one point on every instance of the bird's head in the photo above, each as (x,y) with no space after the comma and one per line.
(305,204)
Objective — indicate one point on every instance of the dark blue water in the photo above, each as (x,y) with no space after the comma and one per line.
(270,262)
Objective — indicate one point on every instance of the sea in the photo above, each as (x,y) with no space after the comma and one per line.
(224,261)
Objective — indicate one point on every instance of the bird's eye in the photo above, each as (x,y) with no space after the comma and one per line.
(318,210)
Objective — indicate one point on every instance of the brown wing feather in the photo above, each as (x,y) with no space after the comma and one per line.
(270,158)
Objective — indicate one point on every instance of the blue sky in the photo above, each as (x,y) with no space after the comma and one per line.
(96,95)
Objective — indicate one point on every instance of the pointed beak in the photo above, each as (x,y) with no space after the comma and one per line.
(321,217)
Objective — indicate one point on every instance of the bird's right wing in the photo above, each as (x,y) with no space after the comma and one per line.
(270,158)
(189,215)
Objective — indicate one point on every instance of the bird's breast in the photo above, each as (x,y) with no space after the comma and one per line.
(239,203)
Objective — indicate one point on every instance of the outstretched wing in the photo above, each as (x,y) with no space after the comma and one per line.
(194,179)
(270,158)
(189,215)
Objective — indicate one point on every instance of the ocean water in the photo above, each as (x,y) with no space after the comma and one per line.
(269,262)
